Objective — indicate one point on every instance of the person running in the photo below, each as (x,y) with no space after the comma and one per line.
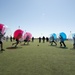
(16,43)
(62,41)
(27,40)
(52,40)
(17,40)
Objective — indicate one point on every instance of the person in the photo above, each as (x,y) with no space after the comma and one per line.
(43,38)
(32,39)
(26,40)
(47,39)
(39,39)
(74,42)
(62,41)
(1,43)
(7,38)
(53,40)
(16,43)
(11,38)
(17,40)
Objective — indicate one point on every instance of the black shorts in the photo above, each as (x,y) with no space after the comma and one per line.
(25,40)
(53,41)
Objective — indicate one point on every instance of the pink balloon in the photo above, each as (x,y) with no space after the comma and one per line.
(27,34)
(18,34)
(2,28)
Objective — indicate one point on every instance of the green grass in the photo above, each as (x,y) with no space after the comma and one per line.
(37,60)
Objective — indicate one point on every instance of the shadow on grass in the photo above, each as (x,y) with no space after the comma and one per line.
(13,47)
(24,44)
(1,51)
(52,45)
(63,47)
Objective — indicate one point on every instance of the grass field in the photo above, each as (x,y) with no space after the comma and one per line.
(37,60)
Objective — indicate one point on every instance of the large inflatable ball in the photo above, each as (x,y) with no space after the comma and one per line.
(53,35)
(27,35)
(63,35)
(70,37)
(3,28)
(18,33)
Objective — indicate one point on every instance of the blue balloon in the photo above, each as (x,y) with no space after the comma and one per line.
(63,35)
(54,35)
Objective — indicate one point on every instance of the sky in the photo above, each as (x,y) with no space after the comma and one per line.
(39,17)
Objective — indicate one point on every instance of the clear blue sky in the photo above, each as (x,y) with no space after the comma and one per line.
(40,17)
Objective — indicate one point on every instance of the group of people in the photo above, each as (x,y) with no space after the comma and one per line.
(61,41)
(26,40)
(54,41)
(51,40)
(43,39)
